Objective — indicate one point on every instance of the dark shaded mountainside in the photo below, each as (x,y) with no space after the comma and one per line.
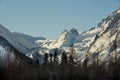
(11,54)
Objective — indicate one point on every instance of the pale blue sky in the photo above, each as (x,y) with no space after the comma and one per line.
(49,18)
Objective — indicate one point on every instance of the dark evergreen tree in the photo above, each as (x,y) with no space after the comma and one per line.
(71,55)
(46,68)
(46,58)
(64,58)
(56,60)
(116,77)
(85,67)
(51,57)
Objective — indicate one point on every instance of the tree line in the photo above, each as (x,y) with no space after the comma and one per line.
(63,68)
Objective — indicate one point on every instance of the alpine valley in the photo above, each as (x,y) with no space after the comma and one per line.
(101,41)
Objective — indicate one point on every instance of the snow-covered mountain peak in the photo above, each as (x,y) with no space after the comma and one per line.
(114,14)
(64,31)
(118,11)
(67,38)
(73,31)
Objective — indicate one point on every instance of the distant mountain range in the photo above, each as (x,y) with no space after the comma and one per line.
(102,40)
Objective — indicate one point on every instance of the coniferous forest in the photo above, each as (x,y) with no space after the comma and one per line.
(66,69)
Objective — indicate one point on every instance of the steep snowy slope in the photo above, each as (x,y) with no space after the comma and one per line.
(102,41)
(108,40)
(21,44)
(44,43)
(12,40)
(58,43)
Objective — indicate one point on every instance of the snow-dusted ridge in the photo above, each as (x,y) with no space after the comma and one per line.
(18,40)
